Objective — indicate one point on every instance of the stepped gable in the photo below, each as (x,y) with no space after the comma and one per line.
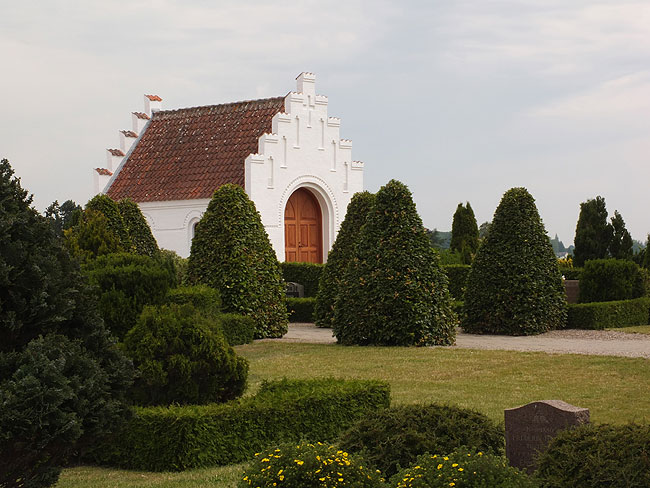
(188,153)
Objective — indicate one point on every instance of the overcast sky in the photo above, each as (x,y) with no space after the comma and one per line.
(460,99)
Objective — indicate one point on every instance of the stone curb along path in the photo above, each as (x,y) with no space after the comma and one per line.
(593,342)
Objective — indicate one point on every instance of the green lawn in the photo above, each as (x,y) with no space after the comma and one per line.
(614,389)
(639,329)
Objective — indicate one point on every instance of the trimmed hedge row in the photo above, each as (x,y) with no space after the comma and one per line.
(571,273)
(601,315)
(183,437)
(237,329)
(307,274)
(301,309)
(457,274)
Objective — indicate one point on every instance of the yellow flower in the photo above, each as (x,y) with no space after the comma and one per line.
(299,462)
(460,469)
(440,466)
(454,465)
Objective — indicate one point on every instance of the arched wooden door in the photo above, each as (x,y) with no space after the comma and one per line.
(303,223)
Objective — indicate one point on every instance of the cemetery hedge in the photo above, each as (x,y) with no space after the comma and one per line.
(301,309)
(602,315)
(603,280)
(307,274)
(597,456)
(571,273)
(204,298)
(394,437)
(182,358)
(232,253)
(176,438)
(338,258)
(238,329)
(515,286)
(125,283)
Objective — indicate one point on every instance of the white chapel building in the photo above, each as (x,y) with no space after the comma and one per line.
(286,152)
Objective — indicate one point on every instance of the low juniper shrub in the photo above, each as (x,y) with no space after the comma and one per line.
(182,358)
(597,456)
(462,468)
(309,465)
(394,437)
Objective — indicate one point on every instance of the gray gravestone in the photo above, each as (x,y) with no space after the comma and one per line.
(530,428)
(295,290)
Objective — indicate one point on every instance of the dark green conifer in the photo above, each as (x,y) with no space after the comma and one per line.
(464,233)
(394,291)
(63,381)
(232,253)
(593,233)
(342,252)
(515,286)
(620,247)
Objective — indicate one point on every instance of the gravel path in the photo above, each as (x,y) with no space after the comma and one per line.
(595,342)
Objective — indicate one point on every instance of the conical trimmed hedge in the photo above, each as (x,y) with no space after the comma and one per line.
(515,286)
(340,255)
(394,291)
(232,253)
(142,239)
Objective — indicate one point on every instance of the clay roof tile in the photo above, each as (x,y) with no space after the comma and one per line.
(189,153)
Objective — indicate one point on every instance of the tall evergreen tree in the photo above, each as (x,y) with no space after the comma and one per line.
(231,252)
(464,232)
(593,233)
(63,216)
(63,381)
(515,286)
(620,247)
(340,255)
(394,291)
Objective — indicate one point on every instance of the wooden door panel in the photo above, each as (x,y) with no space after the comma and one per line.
(302,224)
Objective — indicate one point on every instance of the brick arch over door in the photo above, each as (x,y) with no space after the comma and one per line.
(303,228)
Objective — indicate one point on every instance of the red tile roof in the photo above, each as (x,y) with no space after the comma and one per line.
(129,133)
(141,115)
(188,153)
(116,152)
(103,172)
(154,98)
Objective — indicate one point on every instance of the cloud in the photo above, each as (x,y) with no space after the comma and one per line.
(622,100)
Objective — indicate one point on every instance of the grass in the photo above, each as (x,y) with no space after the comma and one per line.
(614,389)
(639,329)
(87,477)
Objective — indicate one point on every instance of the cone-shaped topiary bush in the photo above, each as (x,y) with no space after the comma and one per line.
(107,206)
(183,358)
(394,291)
(515,286)
(139,232)
(340,255)
(232,253)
